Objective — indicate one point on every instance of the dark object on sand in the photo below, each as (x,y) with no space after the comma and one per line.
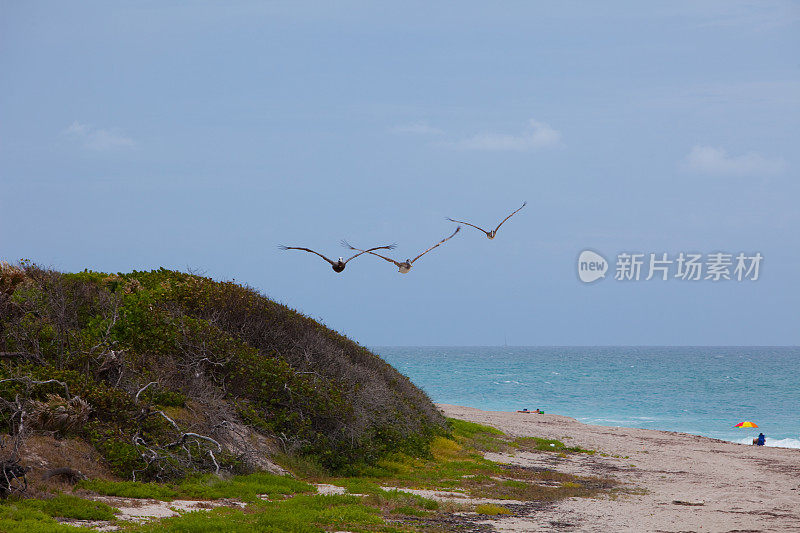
(338,265)
(760,440)
(70,475)
(405,266)
(683,502)
(492,233)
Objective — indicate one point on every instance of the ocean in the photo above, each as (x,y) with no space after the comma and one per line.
(698,390)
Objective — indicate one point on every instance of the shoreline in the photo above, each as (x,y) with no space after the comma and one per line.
(679,481)
(770,441)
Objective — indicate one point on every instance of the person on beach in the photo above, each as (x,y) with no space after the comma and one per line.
(761,440)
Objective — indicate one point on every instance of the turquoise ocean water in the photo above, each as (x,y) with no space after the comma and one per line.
(699,390)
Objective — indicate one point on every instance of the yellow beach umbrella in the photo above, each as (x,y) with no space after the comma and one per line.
(746,424)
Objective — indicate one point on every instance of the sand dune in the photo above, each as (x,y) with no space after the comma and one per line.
(686,482)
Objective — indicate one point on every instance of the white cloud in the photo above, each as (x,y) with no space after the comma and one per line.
(710,160)
(98,139)
(417,128)
(538,135)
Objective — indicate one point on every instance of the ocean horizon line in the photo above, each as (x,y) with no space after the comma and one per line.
(582,345)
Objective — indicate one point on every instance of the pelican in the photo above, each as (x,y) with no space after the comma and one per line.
(405,266)
(492,233)
(338,265)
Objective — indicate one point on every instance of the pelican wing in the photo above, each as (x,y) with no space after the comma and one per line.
(437,244)
(509,216)
(350,246)
(369,250)
(282,247)
(468,224)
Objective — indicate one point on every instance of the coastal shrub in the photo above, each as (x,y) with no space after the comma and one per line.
(136,347)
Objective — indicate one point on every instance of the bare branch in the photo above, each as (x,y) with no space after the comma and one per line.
(143,389)
(197,436)
(216,464)
(171,421)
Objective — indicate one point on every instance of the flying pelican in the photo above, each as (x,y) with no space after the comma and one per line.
(405,266)
(339,265)
(492,233)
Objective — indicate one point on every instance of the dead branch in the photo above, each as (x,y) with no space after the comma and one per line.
(143,389)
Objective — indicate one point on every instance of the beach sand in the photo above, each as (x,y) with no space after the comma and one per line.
(680,482)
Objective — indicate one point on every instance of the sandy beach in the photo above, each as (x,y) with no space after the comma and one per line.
(679,482)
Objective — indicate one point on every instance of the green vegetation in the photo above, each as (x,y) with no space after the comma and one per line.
(36,516)
(457,464)
(301,514)
(546,445)
(492,509)
(130,489)
(69,506)
(154,369)
(246,488)
(375,499)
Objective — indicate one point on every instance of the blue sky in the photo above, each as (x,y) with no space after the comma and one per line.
(201,135)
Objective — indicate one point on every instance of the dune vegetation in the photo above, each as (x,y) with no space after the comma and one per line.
(167,374)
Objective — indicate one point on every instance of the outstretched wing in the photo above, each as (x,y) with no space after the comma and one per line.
(362,252)
(282,247)
(437,244)
(509,216)
(468,224)
(348,245)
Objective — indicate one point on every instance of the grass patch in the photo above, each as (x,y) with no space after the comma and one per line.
(208,487)
(492,509)
(462,428)
(301,514)
(129,489)
(16,517)
(69,506)
(410,511)
(246,488)
(389,501)
(219,520)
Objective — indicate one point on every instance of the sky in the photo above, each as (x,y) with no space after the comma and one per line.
(201,135)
